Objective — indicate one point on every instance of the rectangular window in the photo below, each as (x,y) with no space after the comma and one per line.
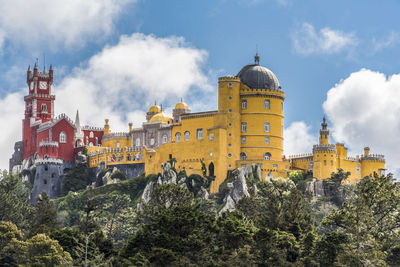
(244,104)
(199,133)
(266,127)
(244,140)
(267,104)
(244,127)
(267,140)
(275,166)
(211,136)
(358,169)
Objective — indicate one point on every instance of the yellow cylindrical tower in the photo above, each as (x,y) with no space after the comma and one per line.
(261,118)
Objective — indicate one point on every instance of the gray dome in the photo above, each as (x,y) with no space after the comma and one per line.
(258,77)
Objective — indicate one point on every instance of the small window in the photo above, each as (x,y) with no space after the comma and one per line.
(63,137)
(137,142)
(243,156)
(229,134)
(244,104)
(244,127)
(211,154)
(96,141)
(229,124)
(325,162)
(177,137)
(275,166)
(243,165)
(266,127)
(266,139)
(164,139)
(229,166)
(244,140)
(229,84)
(44,108)
(229,145)
(118,144)
(331,162)
(267,156)
(53,175)
(91,134)
(229,155)
(45,181)
(358,169)
(187,136)
(230,98)
(200,133)
(267,104)
(211,136)
(230,110)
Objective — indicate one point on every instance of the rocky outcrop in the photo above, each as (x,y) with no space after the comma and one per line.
(315,187)
(239,187)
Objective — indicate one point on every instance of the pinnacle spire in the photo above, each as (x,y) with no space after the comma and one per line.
(324,124)
(77,122)
(257,59)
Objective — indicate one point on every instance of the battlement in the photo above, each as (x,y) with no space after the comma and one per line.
(48,161)
(229,78)
(115,150)
(324,148)
(301,156)
(60,117)
(92,128)
(354,159)
(44,96)
(48,143)
(373,157)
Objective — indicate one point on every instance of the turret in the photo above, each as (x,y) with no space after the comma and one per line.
(130,127)
(106,127)
(51,73)
(324,133)
(35,70)
(28,74)
(366,151)
(180,109)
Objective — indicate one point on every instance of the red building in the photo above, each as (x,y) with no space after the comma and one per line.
(46,136)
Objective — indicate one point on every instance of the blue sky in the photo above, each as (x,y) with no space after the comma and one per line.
(124,55)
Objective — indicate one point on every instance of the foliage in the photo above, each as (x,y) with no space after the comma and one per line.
(44,216)
(77,179)
(14,201)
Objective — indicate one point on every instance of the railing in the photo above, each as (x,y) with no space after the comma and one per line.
(48,143)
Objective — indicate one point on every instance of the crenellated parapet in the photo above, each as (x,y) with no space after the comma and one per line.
(48,161)
(92,128)
(373,157)
(48,144)
(324,148)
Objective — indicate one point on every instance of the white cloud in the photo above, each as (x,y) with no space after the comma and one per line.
(306,40)
(59,23)
(2,39)
(119,83)
(364,110)
(11,110)
(298,139)
(391,40)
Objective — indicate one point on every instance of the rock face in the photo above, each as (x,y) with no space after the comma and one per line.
(239,188)
(315,187)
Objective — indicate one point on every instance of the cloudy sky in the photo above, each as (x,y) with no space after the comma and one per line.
(114,58)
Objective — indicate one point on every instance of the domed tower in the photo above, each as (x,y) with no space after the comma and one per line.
(253,102)
(153,111)
(180,108)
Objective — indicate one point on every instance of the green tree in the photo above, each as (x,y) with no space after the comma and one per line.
(77,179)
(44,216)
(14,201)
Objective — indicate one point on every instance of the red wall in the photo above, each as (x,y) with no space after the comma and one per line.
(65,150)
(98,134)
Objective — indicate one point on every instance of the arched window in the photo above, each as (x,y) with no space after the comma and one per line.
(244,104)
(90,144)
(266,127)
(87,140)
(138,141)
(177,137)
(91,134)
(44,108)
(243,156)
(267,104)
(118,144)
(164,139)
(63,137)
(97,141)
(267,156)
(187,136)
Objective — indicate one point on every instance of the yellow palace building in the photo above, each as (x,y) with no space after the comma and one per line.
(246,129)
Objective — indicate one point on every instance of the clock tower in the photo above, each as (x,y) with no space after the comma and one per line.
(39,106)
(39,103)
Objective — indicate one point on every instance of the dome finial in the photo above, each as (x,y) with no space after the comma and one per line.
(257,59)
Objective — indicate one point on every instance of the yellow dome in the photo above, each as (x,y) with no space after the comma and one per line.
(181,105)
(155,109)
(161,117)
